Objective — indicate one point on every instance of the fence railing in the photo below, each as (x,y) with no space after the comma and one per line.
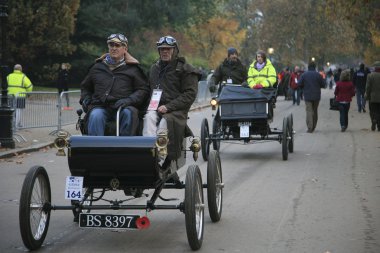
(39,109)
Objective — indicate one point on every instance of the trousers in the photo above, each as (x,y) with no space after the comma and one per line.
(99,116)
(311,114)
(152,123)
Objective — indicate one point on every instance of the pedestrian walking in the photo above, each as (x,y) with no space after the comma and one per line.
(63,84)
(294,78)
(359,79)
(18,85)
(344,91)
(372,95)
(311,82)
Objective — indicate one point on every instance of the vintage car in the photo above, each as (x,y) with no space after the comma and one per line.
(101,165)
(244,114)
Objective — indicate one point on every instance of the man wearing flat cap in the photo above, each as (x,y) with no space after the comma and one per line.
(114,81)
(231,70)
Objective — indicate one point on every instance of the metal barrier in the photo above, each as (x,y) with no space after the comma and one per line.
(204,94)
(39,109)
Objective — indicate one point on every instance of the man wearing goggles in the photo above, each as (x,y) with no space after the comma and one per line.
(174,86)
(231,70)
(114,81)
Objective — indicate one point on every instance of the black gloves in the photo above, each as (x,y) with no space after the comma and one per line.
(124,102)
(212,88)
(85,103)
(244,84)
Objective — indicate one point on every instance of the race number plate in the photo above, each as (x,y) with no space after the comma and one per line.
(92,220)
(74,187)
(244,129)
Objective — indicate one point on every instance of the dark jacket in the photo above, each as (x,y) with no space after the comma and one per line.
(372,93)
(104,87)
(344,91)
(63,79)
(230,69)
(311,82)
(359,79)
(179,83)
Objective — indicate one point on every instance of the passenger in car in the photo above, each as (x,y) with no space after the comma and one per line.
(261,73)
(174,86)
(114,81)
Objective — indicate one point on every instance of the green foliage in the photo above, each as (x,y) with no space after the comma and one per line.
(39,32)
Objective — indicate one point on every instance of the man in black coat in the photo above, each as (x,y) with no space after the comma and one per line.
(114,81)
(311,82)
(63,82)
(359,79)
(231,70)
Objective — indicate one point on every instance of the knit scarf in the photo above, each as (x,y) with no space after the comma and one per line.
(113,64)
(260,66)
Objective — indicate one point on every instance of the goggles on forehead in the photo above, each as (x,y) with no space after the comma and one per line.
(166,40)
(117,36)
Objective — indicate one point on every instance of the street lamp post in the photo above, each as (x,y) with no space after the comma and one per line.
(270,52)
(6,113)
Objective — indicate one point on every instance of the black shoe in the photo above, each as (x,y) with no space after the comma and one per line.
(344,129)
(364,110)
(373,126)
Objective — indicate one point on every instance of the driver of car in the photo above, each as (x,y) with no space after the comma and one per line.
(174,86)
(231,70)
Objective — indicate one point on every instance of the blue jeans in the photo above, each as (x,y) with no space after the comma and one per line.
(99,116)
(296,96)
(343,111)
(360,100)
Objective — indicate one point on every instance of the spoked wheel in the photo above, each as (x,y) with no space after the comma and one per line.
(215,131)
(194,207)
(205,139)
(35,207)
(291,133)
(285,133)
(214,186)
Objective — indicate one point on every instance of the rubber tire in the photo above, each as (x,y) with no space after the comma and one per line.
(215,131)
(194,207)
(285,139)
(36,178)
(205,139)
(214,186)
(291,133)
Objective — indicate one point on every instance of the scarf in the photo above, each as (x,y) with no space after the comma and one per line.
(260,66)
(113,64)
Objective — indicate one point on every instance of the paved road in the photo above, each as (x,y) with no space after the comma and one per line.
(325,198)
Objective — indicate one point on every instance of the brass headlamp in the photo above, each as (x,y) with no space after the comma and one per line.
(213,103)
(195,147)
(162,143)
(61,143)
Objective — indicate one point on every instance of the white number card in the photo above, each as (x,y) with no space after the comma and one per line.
(244,131)
(155,100)
(74,188)
(229,80)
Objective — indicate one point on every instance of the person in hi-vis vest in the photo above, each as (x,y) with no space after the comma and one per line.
(18,84)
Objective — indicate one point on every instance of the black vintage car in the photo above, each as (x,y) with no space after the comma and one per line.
(100,165)
(244,114)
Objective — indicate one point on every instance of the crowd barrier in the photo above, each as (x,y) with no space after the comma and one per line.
(39,109)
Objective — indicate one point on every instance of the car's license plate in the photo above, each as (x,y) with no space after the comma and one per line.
(93,220)
(244,131)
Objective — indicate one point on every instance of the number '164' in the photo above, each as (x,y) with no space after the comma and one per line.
(73,195)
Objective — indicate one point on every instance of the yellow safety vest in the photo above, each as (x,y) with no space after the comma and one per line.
(18,82)
(266,76)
